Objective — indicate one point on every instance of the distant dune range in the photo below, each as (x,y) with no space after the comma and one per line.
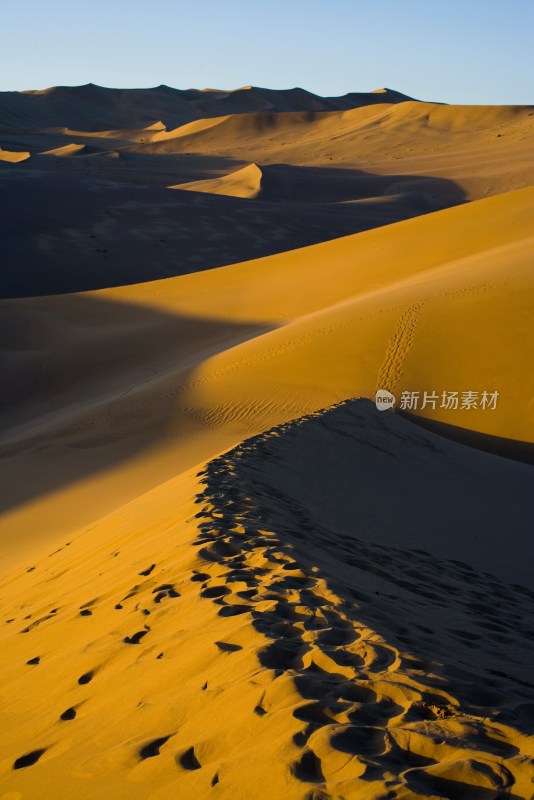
(315,168)
(227,575)
(97,107)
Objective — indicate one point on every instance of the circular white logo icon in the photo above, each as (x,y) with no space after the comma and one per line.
(384,400)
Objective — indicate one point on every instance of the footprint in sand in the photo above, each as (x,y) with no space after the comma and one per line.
(188,760)
(29,759)
(152,748)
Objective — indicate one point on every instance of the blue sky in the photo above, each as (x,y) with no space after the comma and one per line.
(456,51)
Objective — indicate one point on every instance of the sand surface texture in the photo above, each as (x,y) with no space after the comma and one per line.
(225,573)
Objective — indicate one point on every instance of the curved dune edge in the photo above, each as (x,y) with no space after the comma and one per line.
(244,182)
(13,157)
(211,358)
(384,116)
(142,134)
(193,639)
(65,151)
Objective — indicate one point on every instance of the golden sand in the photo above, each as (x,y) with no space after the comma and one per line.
(226,574)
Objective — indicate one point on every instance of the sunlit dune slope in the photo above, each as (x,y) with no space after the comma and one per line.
(481,149)
(266,626)
(71,149)
(13,156)
(108,393)
(245,182)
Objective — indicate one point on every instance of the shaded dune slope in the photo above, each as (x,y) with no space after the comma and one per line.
(283,183)
(116,234)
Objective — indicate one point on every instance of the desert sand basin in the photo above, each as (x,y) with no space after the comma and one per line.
(261,627)
(168,373)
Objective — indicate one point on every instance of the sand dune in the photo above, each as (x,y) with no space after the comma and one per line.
(13,156)
(123,135)
(95,107)
(71,149)
(246,643)
(245,182)
(268,341)
(284,183)
(472,146)
(326,171)
(225,572)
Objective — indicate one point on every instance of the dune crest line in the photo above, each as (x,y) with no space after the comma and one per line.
(368,711)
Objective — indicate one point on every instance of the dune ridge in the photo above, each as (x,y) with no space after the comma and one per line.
(91,104)
(71,149)
(295,664)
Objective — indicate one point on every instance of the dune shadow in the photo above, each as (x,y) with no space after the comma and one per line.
(91,222)
(89,383)
(366,523)
(514,449)
(334,184)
